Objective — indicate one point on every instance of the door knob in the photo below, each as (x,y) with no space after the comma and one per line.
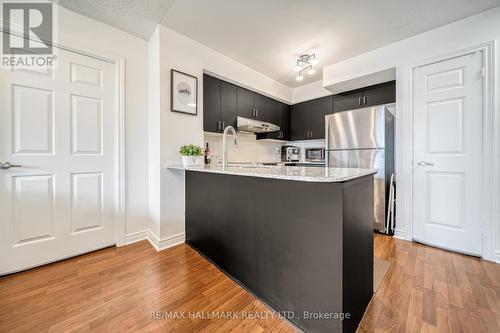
(7,165)
(424,163)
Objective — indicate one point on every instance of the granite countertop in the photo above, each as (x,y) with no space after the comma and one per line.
(297,173)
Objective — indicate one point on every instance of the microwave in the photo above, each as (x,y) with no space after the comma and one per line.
(315,154)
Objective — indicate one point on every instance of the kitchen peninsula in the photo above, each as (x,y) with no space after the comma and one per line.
(299,238)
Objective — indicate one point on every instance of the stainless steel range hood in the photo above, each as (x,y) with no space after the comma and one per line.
(255,126)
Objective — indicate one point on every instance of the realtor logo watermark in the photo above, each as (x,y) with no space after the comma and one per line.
(28,38)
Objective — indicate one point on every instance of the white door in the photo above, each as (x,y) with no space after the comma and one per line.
(58,125)
(448,111)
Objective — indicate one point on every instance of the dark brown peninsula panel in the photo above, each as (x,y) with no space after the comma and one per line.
(300,246)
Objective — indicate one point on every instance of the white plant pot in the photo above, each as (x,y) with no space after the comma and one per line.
(192,160)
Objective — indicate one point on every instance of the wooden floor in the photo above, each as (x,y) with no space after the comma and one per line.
(118,289)
(432,290)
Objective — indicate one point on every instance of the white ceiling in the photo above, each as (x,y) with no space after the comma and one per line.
(268,35)
(137,17)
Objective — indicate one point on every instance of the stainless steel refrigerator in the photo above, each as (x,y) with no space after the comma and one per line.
(364,138)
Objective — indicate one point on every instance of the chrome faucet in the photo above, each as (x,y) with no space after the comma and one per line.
(224,147)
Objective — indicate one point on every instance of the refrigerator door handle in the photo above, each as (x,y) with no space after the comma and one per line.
(327,144)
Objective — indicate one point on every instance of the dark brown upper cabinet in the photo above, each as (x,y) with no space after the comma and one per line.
(300,122)
(379,94)
(274,111)
(246,103)
(308,119)
(219,104)
(228,104)
(320,108)
(284,133)
(262,107)
(224,101)
(348,100)
(383,93)
(211,104)
(256,106)
(280,115)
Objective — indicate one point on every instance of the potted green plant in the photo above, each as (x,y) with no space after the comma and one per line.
(191,155)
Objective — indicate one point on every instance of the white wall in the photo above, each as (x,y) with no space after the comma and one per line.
(92,36)
(481,28)
(181,53)
(309,91)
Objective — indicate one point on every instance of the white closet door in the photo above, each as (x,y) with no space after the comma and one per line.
(59,126)
(448,153)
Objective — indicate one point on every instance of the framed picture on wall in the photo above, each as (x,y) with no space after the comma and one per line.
(183,92)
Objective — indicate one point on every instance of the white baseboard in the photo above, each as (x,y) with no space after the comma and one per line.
(136,236)
(497,257)
(165,243)
(398,233)
(158,244)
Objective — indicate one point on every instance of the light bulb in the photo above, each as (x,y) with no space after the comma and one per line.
(297,68)
(314,61)
(311,71)
(299,78)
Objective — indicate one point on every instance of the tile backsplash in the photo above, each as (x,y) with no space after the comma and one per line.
(249,148)
(252,150)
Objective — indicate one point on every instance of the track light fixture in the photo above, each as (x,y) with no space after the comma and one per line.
(305,63)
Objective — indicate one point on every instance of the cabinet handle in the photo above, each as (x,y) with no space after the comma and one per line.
(253,112)
(364,100)
(256,112)
(359,101)
(223,126)
(218,125)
